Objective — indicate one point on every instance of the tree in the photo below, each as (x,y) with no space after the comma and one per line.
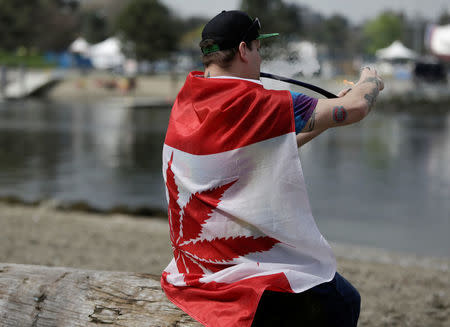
(335,33)
(414,33)
(444,18)
(107,8)
(57,25)
(192,35)
(382,31)
(95,26)
(149,29)
(16,20)
(275,16)
(98,18)
(40,24)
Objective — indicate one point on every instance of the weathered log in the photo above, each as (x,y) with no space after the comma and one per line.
(43,296)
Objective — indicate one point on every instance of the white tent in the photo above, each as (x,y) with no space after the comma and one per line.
(396,51)
(107,54)
(80,46)
(440,41)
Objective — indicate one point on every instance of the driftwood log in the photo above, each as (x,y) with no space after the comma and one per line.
(52,297)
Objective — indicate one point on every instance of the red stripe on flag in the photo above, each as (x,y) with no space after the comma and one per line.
(216,115)
(224,305)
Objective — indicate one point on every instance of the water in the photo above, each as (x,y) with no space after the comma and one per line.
(384,182)
(102,154)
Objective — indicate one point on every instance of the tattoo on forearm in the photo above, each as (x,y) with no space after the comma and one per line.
(339,114)
(312,121)
(208,75)
(373,80)
(371,97)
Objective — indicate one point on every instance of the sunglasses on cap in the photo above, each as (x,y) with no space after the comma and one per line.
(257,23)
(252,30)
(225,30)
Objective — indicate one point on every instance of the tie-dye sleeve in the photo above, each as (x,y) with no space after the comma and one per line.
(303,109)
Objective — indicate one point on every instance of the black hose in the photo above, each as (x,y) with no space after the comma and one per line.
(314,88)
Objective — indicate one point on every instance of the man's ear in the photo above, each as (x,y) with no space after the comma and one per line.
(243,51)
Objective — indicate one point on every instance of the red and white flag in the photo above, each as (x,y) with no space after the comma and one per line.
(239,214)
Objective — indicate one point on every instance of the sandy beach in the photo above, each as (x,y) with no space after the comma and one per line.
(97,85)
(396,289)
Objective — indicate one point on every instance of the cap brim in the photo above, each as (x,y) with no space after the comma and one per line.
(265,36)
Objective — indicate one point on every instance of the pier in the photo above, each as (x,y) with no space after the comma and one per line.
(23,84)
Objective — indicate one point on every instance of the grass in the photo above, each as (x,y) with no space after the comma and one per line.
(29,61)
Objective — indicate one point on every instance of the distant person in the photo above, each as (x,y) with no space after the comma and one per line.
(247,251)
(130,70)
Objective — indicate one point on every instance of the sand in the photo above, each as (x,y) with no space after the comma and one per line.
(97,85)
(396,289)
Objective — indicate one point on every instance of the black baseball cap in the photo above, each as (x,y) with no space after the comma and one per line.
(229,28)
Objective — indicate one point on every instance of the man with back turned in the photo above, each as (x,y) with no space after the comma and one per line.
(247,251)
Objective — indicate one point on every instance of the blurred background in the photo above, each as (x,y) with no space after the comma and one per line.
(86,88)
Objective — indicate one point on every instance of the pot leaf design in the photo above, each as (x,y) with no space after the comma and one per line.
(195,256)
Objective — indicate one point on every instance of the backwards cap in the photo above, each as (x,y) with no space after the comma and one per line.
(229,28)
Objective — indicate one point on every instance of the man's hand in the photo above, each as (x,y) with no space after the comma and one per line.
(369,75)
(351,106)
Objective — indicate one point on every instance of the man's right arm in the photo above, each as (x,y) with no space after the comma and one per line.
(345,110)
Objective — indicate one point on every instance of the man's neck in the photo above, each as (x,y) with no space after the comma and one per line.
(216,71)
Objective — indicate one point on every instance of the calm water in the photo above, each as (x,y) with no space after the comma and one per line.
(383,183)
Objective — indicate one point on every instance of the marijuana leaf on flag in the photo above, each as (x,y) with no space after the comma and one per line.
(195,256)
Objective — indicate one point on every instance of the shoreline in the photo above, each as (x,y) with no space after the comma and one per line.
(32,214)
(342,249)
(396,289)
(83,206)
(398,96)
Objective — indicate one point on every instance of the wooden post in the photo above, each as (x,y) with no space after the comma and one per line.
(48,297)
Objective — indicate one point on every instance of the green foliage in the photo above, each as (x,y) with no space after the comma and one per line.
(275,16)
(16,21)
(57,25)
(444,18)
(34,60)
(298,22)
(149,29)
(382,31)
(151,32)
(335,32)
(191,37)
(42,24)
(94,26)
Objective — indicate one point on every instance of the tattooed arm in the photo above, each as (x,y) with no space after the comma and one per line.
(352,106)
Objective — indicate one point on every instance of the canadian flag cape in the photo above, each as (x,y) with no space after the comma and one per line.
(239,215)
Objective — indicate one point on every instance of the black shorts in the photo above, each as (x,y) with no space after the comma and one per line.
(333,304)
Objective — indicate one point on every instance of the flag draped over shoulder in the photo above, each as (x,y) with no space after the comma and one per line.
(239,215)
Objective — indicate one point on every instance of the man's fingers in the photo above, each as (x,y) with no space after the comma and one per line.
(381,83)
(372,72)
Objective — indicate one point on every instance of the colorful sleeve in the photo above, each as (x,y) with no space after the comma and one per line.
(303,109)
